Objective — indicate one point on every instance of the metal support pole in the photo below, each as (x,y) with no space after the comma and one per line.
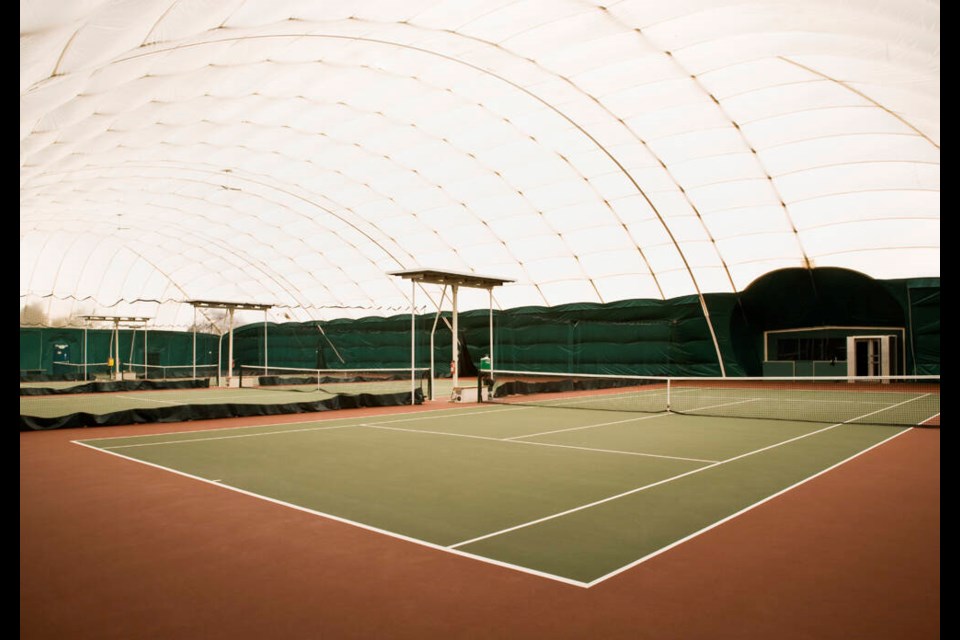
(265,359)
(194,342)
(230,351)
(85,354)
(146,362)
(433,331)
(413,341)
(713,334)
(220,360)
(490,355)
(116,346)
(455,363)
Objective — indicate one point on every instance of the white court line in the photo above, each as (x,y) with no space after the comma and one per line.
(136,399)
(814,401)
(381,425)
(234,397)
(268,433)
(450,549)
(204,399)
(128,395)
(535,444)
(208,399)
(605,397)
(360,525)
(892,406)
(724,404)
(859,401)
(662,414)
(651,485)
(550,404)
(282,424)
(693,535)
(469,414)
(233,437)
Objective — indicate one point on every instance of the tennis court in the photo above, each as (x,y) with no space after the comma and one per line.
(105,403)
(108,402)
(525,319)
(573,495)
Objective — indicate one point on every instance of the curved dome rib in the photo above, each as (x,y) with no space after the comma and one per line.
(591,153)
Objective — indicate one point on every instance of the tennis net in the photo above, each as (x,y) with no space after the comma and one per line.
(335,381)
(890,400)
(170,371)
(81,371)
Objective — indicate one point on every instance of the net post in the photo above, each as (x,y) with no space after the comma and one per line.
(668,395)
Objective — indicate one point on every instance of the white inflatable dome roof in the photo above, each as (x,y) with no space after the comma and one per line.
(294,152)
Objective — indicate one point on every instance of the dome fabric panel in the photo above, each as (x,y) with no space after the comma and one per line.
(293,153)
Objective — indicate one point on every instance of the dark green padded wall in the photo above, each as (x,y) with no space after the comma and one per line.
(647,337)
(165,347)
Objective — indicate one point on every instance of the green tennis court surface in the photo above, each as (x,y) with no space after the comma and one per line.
(574,495)
(51,384)
(104,403)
